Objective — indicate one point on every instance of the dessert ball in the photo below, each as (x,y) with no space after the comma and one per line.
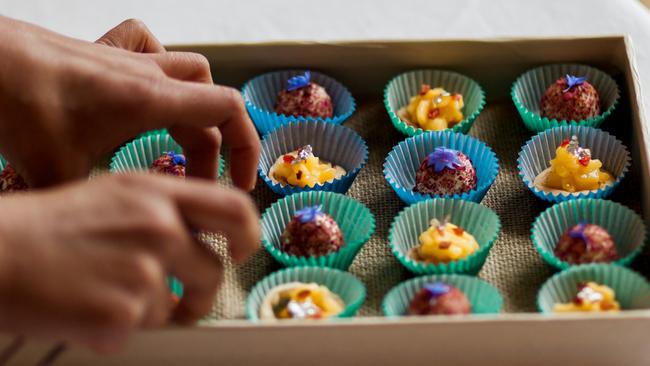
(301,168)
(170,163)
(586,243)
(444,242)
(11,181)
(439,298)
(570,98)
(302,97)
(433,109)
(445,172)
(311,232)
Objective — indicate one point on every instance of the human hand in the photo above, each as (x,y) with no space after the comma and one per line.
(87,262)
(65,103)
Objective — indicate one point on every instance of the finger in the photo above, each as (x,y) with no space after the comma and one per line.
(201,147)
(202,105)
(132,35)
(184,66)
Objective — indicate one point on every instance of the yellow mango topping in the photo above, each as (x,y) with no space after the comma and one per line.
(302,169)
(301,301)
(574,170)
(591,297)
(444,242)
(433,109)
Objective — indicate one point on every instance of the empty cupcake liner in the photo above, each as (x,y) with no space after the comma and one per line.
(345,285)
(336,144)
(354,219)
(528,89)
(631,289)
(400,89)
(624,225)
(476,219)
(261,92)
(536,155)
(140,153)
(404,160)
(485,298)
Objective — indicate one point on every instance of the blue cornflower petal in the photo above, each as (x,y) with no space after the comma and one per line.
(442,158)
(298,81)
(437,288)
(309,214)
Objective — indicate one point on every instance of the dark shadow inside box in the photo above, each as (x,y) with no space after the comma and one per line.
(513,265)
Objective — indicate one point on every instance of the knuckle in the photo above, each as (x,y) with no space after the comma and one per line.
(135,23)
(119,316)
(146,270)
(233,99)
(198,60)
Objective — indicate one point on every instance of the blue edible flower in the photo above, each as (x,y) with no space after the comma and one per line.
(437,289)
(572,81)
(298,81)
(442,158)
(309,214)
(579,232)
(177,159)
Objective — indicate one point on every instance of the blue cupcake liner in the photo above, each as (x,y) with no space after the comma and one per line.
(140,153)
(261,92)
(404,161)
(336,144)
(536,154)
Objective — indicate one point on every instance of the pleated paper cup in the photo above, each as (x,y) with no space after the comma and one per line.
(336,144)
(354,219)
(631,289)
(485,298)
(400,89)
(536,155)
(474,218)
(175,286)
(343,284)
(3,163)
(624,225)
(140,153)
(528,89)
(261,92)
(404,160)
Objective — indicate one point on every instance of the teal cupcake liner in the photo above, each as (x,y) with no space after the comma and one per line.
(261,92)
(536,155)
(3,163)
(336,144)
(175,286)
(404,160)
(345,285)
(140,153)
(631,289)
(400,89)
(355,220)
(485,298)
(476,219)
(153,132)
(624,225)
(528,89)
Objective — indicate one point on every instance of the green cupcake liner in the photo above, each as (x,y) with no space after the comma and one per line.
(624,225)
(485,298)
(632,290)
(476,219)
(345,285)
(528,89)
(140,153)
(355,220)
(175,286)
(400,89)
(3,163)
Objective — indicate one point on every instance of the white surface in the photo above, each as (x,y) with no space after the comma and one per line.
(210,21)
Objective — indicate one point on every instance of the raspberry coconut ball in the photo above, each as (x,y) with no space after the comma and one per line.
(439,298)
(11,181)
(311,232)
(170,163)
(570,98)
(445,172)
(303,97)
(586,243)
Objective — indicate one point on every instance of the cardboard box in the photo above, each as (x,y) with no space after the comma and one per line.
(520,339)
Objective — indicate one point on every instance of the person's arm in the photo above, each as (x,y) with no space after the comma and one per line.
(87,262)
(64,103)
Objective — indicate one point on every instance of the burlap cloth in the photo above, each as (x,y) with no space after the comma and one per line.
(513,265)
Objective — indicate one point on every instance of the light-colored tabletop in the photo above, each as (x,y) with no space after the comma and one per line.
(219,21)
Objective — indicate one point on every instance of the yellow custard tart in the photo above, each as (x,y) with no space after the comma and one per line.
(433,109)
(297,300)
(573,170)
(300,168)
(444,242)
(591,297)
